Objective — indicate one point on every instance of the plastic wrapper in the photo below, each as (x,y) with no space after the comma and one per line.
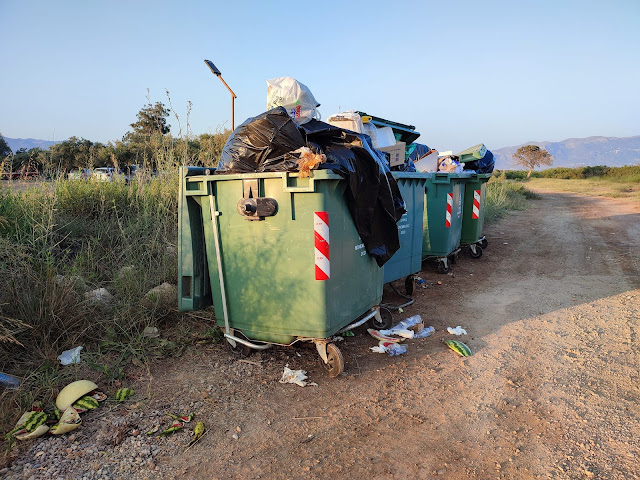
(308,161)
(484,165)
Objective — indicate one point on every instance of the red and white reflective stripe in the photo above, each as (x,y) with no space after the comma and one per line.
(321,233)
(476,204)
(449,209)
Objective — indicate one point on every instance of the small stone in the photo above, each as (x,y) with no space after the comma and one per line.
(238,429)
(235,436)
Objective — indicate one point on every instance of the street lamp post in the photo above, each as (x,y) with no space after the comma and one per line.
(217,73)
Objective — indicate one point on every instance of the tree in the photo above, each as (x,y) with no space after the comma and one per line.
(152,119)
(532,156)
(5,150)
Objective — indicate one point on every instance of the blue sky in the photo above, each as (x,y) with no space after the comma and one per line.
(463,72)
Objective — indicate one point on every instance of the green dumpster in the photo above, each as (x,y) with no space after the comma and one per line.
(473,214)
(408,259)
(279,258)
(442,225)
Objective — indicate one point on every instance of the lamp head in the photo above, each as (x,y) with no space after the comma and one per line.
(213,68)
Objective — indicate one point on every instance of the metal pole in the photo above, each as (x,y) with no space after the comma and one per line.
(233,109)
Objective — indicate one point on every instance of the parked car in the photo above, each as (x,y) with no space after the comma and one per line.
(106,174)
(80,174)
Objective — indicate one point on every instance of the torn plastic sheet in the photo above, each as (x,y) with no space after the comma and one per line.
(457,331)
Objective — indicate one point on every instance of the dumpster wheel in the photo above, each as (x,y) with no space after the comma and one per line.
(335,362)
(484,243)
(385,322)
(443,265)
(475,251)
(238,348)
(409,283)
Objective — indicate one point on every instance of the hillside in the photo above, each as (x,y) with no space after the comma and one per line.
(16,144)
(580,152)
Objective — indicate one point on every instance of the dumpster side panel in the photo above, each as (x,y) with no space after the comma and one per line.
(473,225)
(442,225)
(408,259)
(194,291)
(269,266)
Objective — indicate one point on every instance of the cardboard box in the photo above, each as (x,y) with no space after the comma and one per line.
(396,153)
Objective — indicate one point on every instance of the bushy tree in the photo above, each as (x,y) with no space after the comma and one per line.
(5,150)
(152,120)
(532,156)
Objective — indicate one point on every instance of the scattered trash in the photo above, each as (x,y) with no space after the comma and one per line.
(70,356)
(153,430)
(400,310)
(348,333)
(123,393)
(85,403)
(439,282)
(392,348)
(308,160)
(9,381)
(198,431)
(418,280)
(150,332)
(424,333)
(402,328)
(297,377)
(396,349)
(70,420)
(458,347)
(457,331)
(178,424)
(337,339)
(74,391)
(30,425)
(384,338)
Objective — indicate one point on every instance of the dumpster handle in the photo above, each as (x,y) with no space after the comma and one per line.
(247,343)
(214,214)
(372,313)
(308,189)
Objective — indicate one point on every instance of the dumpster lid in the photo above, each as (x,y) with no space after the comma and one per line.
(403,132)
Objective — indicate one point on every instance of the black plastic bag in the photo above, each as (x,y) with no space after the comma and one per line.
(373,196)
(260,144)
(483,165)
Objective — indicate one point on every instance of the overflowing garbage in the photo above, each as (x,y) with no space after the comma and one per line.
(279,202)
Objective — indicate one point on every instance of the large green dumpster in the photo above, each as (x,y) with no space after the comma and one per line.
(473,214)
(442,225)
(282,256)
(408,259)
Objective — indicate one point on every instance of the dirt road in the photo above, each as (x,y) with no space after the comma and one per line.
(552,311)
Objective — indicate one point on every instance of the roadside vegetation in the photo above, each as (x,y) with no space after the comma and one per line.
(615,182)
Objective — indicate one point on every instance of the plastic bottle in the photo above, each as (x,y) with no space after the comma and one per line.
(424,333)
(9,381)
(396,349)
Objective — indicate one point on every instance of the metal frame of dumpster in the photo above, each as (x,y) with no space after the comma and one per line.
(261,273)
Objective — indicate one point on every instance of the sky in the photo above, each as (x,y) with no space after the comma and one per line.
(462,72)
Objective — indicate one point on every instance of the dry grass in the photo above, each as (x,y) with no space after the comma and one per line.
(596,186)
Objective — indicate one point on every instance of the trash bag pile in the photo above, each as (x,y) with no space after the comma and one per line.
(362,148)
(269,142)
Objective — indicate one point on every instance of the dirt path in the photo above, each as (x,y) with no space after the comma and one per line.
(552,310)
(552,391)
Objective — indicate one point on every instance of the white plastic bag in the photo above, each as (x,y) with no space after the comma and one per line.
(295,97)
(70,356)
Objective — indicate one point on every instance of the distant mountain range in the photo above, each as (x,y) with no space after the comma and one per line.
(580,152)
(573,152)
(16,144)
